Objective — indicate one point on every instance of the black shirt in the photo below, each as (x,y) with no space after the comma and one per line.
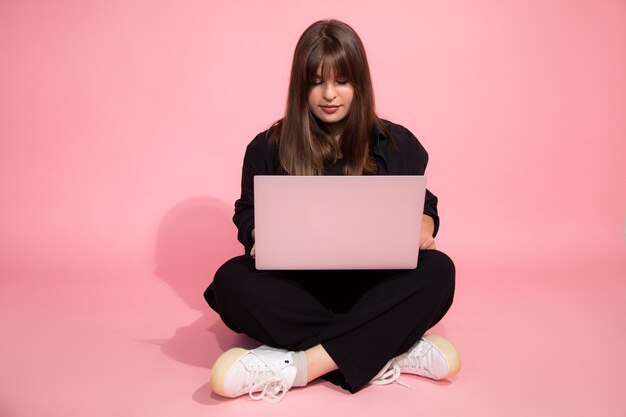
(335,169)
(408,158)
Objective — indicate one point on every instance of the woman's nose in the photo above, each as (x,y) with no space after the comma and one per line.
(329,92)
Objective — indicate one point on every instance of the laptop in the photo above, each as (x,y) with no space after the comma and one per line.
(338,222)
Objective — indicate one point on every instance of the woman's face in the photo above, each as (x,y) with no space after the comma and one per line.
(330,98)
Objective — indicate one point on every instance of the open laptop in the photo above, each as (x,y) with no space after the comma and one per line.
(338,222)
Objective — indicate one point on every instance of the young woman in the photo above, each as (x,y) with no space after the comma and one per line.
(313,324)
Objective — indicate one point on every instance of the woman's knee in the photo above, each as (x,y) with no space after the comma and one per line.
(231,276)
(439,268)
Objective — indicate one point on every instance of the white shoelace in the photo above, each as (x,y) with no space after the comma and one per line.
(412,361)
(392,371)
(390,374)
(267,385)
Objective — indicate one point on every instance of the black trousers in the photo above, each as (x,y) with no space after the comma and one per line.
(363,318)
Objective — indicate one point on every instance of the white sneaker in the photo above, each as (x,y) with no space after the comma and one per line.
(431,357)
(262,373)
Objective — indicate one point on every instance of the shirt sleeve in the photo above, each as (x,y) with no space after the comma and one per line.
(430,209)
(257,161)
(411,158)
(430,200)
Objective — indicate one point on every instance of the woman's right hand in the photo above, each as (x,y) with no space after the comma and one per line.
(253,250)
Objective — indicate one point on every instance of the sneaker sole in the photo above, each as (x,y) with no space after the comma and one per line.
(450,352)
(221,367)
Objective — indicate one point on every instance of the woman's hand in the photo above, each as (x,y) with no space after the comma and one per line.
(427,241)
(253,250)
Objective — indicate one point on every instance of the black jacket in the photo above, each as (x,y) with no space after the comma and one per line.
(408,158)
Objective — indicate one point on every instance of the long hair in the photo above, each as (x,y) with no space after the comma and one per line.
(305,143)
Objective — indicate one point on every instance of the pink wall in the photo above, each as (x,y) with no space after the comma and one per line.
(123,124)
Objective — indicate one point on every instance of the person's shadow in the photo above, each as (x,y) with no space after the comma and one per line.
(195,237)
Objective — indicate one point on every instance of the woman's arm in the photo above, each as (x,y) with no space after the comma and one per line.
(253,250)
(427,241)
(409,158)
(257,161)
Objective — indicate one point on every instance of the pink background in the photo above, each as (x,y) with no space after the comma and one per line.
(122,129)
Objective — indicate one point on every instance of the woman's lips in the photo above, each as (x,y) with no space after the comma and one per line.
(329,109)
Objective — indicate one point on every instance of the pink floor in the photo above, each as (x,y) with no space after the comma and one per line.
(534,341)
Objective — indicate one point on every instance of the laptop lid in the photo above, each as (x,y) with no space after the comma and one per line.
(338,222)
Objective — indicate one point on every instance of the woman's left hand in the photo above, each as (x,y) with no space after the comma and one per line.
(427,241)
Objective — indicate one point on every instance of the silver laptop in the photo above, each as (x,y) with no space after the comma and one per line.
(338,222)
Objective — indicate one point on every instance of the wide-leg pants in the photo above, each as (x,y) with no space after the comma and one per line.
(363,318)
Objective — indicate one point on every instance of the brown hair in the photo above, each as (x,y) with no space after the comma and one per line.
(305,143)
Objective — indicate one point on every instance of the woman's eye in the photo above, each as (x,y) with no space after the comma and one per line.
(317,82)
(342,82)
